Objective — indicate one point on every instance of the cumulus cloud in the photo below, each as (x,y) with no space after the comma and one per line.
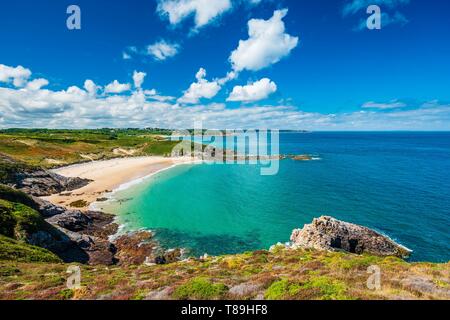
(162,50)
(200,89)
(138,79)
(267,44)
(117,87)
(256,91)
(394,104)
(204,11)
(91,87)
(75,107)
(17,75)
(37,84)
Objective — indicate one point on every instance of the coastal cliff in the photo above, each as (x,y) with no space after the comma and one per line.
(327,233)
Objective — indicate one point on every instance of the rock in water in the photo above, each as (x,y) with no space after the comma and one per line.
(327,233)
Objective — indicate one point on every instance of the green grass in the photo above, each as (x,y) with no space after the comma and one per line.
(330,289)
(200,289)
(282,290)
(13,250)
(13,195)
(52,148)
(18,220)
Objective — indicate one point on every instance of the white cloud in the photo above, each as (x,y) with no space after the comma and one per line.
(394,104)
(116,87)
(37,84)
(138,79)
(126,56)
(91,87)
(200,89)
(77,108)
(267,44)
(162,50)
(204,11)
(256,91)
(18,75)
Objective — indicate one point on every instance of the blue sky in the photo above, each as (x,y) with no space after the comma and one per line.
(308,65)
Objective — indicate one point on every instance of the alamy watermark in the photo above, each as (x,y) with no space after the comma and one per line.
(74,279)
(374,280)
(374,20)
(73,22)
(254,147)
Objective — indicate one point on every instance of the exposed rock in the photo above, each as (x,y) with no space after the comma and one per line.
(245,290)
(47,209)
(71,220)
(94,250)
(163,294)
(44,183)
(134,248)
(140,248)
(81,236)
(302,157)
(327,233)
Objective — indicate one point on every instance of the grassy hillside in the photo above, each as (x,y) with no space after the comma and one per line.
(17,221)
(52,148)
(18,251)
(283,274)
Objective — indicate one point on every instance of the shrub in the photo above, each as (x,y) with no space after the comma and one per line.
(14,250)
(329,289)
(200,289)
(18,220)
(282,289)
(13,195)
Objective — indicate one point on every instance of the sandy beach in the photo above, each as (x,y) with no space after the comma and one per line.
(108,175)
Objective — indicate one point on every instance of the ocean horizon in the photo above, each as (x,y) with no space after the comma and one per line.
(393,182)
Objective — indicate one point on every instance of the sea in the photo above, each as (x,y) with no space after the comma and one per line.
(397,183)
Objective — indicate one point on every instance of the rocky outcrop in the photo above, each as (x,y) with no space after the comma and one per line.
(44,183)
(141,247)
(327,233)
(35,181)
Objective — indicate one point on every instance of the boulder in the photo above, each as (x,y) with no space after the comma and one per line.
(71,220)
(327,233)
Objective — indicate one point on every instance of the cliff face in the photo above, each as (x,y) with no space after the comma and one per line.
(327,233)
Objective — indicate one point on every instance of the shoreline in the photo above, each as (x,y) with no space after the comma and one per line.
(109,176)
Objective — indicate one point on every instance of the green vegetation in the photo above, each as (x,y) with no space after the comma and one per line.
(18,251)
(13,195)
(52,148)
(329,289)
(282,290)
(200,289)
(306,274)
(17,221)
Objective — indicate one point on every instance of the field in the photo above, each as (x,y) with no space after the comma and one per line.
(55,148)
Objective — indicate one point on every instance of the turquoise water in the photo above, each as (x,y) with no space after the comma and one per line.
(396,183)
